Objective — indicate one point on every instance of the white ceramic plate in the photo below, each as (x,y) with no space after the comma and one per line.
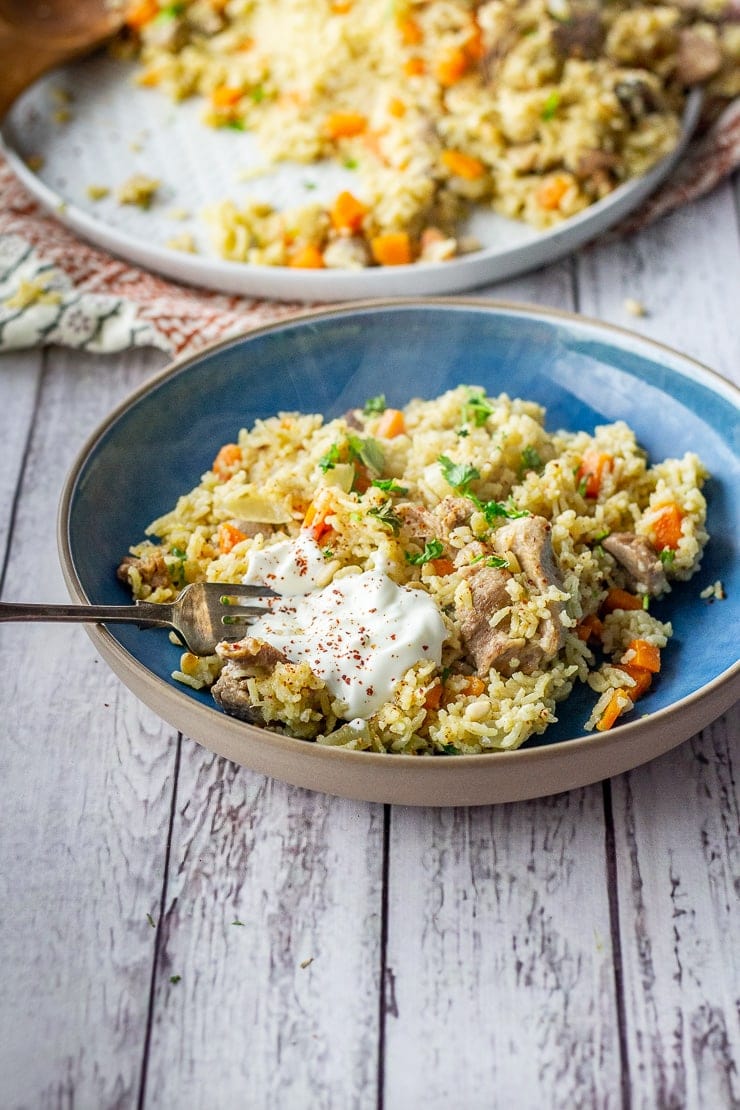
(116,129)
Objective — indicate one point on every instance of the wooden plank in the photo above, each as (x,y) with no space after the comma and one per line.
(553,286)
(677,834)
(675,820)
(685,270)
(86,775)
(273,923)
(499,983)
(19,381)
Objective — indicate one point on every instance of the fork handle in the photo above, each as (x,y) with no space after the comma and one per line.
(142,613)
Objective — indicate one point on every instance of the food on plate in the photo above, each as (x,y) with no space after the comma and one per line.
(447,571)
(536,108)
(139,190)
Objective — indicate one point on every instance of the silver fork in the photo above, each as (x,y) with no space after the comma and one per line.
(202,614)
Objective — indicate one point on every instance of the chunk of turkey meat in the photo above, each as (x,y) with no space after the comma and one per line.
(527,538)
(639,558)
(152,570)
(243,659)
(437,523)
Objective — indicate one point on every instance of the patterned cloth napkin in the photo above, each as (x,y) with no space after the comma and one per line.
(57,289)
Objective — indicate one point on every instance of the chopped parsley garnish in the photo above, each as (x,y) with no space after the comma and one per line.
(327,553)
(175,978)
(463,433)
(551,105)
(351,163)
(645,602)
(531,460)
(390,485)
(477,409)
(432,550)
(493,509)
(309,185)
(236,921)
(368,451)
(375,405)
(601,535)
(458,475)
(449,749)
(170,11)
(177,568)
(330,459)
(666,556)
(150,919)
(257,94)
(235,125)
(490,561)
(583,486)
(386,516)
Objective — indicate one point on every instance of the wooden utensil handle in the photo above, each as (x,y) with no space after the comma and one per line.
(21,62)
(31,47)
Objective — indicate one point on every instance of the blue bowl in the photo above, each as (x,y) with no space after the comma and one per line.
(159,442)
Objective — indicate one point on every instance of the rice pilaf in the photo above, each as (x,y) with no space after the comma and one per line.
(538,552)
(536,108)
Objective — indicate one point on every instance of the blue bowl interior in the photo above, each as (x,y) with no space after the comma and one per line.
(585,375)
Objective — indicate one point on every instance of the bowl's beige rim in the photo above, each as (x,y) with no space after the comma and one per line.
(401,779)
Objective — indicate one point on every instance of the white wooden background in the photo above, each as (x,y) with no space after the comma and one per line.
(178,932)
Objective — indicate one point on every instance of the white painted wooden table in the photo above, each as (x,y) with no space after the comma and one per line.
(178,932)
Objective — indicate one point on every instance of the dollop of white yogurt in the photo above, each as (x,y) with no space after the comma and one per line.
(360,634)
(291,567)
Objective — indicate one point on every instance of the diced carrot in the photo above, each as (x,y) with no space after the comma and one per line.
(341,7)
(410,31)
(344,125)
(442,567)
(396,107)
(362,480)
(642,678)
(414,67)
(474,46)
(474,686)
(552,190)
(391,249)
(612,711)
(666,528)
(229,536)
(226,460)
(451,66)
(245,45)
(314,521)
(226,96)
(307,258)
(646,655)
(140,13)
(391,424)
(434,696)
(591,471)
(590,628)
(149,79)
(620,599)
(347,212)
(462,165)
